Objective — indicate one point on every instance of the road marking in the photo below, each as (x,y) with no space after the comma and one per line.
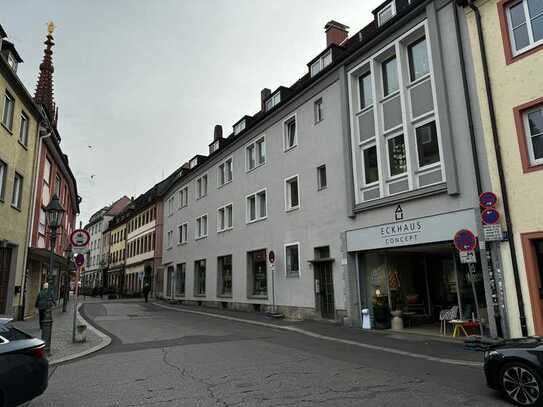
(331,338)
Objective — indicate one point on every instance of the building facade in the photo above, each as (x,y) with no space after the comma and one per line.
(20,122)
(96,262)
(117,252)
(507,46)
(357,178)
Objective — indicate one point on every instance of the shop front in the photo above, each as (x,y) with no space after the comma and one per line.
(410,275)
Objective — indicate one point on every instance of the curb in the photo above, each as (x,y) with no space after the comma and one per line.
(447,361)
(106,340)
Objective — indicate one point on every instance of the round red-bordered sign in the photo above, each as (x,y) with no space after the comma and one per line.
(271,256)
(488,199)
(79,260)
(465,240)
(490,216)
(80,238)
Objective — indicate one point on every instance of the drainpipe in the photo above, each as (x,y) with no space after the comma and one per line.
(499,162)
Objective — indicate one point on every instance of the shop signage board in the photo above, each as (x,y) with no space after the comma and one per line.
(488,199)
(490,216)
(465,240)
(427,229)
(492,233)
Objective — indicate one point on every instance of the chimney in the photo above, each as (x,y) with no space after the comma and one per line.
(264,94)
(217,133)
(336,33)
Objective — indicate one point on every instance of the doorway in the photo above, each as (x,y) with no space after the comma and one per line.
(324,288)
(5,263)
(532,244)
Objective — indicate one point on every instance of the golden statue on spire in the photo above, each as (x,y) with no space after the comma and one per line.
(50,27)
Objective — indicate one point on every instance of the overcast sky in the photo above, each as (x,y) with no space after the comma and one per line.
(143,82)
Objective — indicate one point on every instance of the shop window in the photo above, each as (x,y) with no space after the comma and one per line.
(257,273)
(224,268)
(397,160)
(200,278)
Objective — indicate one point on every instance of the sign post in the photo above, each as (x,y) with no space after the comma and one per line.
(271,258)
(79,239)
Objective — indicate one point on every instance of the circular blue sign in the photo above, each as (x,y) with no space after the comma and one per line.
(488,199)
(465,240)
(490,216)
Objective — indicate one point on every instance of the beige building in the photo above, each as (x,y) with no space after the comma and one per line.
(508,71)
(19,125)
(117,251)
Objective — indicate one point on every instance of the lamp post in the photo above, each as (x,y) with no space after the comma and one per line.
(54,213)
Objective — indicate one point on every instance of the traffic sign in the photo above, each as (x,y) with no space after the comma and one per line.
(271,256)
(490,216)
(79,260)
(468,257)
(79,238)
(465,240)
(488,199)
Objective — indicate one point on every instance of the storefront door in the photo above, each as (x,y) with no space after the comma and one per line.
(5,263)
(324,289)
(532,244)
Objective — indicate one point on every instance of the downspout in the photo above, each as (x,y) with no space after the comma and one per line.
(32,212)
(499,164)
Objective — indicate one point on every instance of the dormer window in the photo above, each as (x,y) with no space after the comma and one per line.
(273,101)
(12,62)
(321,63)
(214,146)
(193,163)
(386,13)
(239,127)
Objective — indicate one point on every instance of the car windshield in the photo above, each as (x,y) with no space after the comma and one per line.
(9,332)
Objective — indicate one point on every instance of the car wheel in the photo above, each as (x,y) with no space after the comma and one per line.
(521,384)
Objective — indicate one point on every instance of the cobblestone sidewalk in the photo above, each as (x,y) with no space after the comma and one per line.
(62,347)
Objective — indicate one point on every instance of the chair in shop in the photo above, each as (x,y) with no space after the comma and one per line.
(445,316)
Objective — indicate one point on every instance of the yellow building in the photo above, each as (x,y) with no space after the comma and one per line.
(509,77)
(19,125)
(117,251)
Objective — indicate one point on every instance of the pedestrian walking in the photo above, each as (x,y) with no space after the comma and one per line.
(146,289)
(43,301)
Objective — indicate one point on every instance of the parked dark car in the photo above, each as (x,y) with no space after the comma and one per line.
(24,368)
(515,367)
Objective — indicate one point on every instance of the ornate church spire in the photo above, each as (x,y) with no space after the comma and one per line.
(44,88)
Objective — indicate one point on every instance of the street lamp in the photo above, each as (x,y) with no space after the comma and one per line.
(54,213)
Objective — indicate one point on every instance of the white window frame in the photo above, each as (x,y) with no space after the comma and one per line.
(389,169)
(299,272)
(170,205)
(169,238)
(528,21)
(320,64)
(392,7)
(183,195)
(24,129)
(17,193)
(3,177)
(198,186)
(198,226)
(221,171)
(379,163)
(288,206)
(254,144)
(239,127)
(437,163)
(369,73)
(318,115)
(286,121)
(320,187)
(8,101)
(222,210)
(528,136)
(273,101)
(183,233)
(258,216)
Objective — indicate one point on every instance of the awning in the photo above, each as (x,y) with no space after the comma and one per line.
(43,255)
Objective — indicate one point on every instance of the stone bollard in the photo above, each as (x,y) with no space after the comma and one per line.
(81,333)
(397,321)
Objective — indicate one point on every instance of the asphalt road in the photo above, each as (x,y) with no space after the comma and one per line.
(161,357)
